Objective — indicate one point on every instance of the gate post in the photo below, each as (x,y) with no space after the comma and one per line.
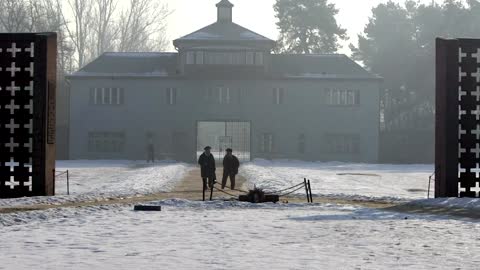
(27,115)
(446,119)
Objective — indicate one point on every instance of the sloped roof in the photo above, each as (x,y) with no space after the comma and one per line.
(223,31)
(224,3)
(131,64)
(318,66)
(290,66)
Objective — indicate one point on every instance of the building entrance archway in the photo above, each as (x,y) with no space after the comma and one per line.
(221,135)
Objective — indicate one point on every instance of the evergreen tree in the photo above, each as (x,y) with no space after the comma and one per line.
(308,26)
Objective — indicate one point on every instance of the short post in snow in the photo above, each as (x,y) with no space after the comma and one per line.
(54,180)
(310,191)
(429,183)
(306,189)
(68,184)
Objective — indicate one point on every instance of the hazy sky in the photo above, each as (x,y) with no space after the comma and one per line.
(258,15)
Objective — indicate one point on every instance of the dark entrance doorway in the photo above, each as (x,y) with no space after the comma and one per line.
(223,135)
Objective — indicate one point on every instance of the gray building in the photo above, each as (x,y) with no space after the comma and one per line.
(224,88)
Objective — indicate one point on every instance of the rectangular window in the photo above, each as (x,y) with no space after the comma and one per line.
(278,96)
(266,143)
(98,96)
(199,58)
(250,58)
(259,58)
(342,97)
(239,58)
(106,96)
(121,96)
(190,58)
(343,143)
(106,142)
(171,96)
(224,95)
(115,96)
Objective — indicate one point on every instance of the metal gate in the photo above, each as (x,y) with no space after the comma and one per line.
(223,135)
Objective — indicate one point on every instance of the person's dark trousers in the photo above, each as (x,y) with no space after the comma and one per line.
(232,180)
(210,182)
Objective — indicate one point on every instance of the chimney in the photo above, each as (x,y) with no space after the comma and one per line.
(224,14)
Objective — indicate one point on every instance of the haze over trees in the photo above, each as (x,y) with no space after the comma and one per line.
(398,43)
(308,26)
(87,28)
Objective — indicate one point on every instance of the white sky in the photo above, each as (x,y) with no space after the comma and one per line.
(258,16)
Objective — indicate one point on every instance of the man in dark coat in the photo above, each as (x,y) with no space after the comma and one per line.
(230,168)
(207,165)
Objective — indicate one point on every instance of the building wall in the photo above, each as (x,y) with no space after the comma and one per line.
(173,127)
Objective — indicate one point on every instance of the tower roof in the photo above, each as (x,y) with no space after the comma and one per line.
(224,31)
(224,3)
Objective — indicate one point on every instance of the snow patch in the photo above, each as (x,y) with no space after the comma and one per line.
(338,179)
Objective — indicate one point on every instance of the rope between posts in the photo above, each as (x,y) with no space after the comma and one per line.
(283,195)
(283,190)
(243,191)
(224,192)
(62,173)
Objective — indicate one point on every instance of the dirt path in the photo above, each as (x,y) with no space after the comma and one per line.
(191,186)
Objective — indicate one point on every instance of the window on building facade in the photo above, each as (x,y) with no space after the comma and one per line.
(106,142)
(223,95)
(250,58)
(278,96)
(301,143)
(225,58)
(106,96)
(199,58)
(259,58)
(171,96)
(342,97)
(266,143)
(343,143)
(190,58)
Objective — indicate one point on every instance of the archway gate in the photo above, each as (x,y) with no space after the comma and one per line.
(221,135)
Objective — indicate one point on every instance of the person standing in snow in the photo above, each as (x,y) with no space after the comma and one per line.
(207,166)
(230,168)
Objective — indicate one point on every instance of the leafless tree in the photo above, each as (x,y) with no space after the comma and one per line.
(87,28)
(79,29)
(14,16)
(104,24)
(142,26)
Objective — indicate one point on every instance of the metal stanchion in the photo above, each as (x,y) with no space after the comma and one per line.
(310,191)
(68,183)
(306,189)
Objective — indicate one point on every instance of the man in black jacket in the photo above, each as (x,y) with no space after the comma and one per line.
(207,165)
(230,168)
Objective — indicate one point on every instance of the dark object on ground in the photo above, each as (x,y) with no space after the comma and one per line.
(147,208)
(258,196)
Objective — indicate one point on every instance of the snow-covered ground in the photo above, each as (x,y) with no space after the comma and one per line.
(90,180)
(378,181)
(231,235)
(119,177)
